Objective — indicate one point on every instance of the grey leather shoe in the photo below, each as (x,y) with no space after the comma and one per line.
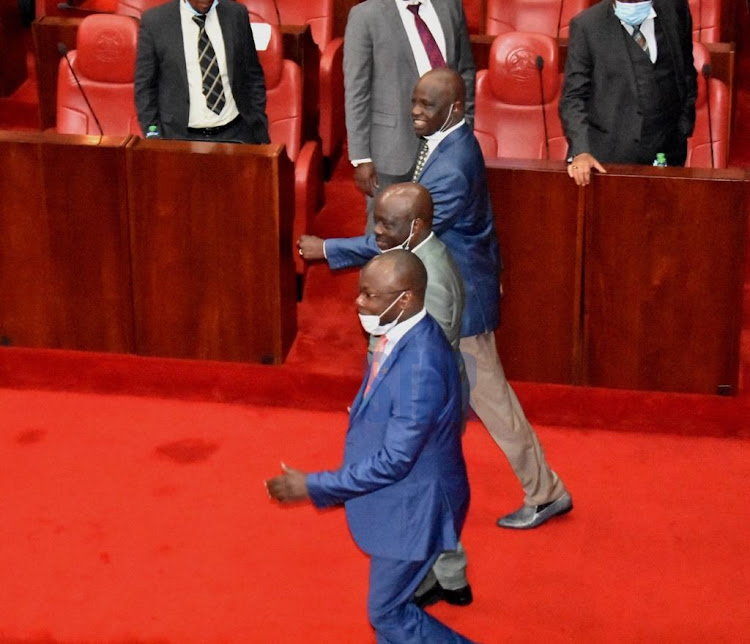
(531,516)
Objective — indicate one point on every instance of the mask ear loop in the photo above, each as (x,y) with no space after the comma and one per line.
(447,118)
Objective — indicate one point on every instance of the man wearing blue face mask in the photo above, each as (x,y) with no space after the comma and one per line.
(630,85)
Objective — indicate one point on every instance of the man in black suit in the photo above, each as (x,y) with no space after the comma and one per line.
(630,85)
(198,75)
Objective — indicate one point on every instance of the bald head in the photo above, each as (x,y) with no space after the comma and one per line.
(403,211)
(438,101)
(387,276)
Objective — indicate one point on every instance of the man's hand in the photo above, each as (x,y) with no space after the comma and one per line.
(580,168)
(288,487)
(366,178)
(311,247)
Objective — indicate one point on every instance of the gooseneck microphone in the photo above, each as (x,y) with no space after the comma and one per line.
(706,72)
(64,54)
(559,18)
(540,67)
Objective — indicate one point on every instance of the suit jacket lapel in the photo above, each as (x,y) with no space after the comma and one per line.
(173,29)
(227,33)
(441,9)
(615,36)
(446,143)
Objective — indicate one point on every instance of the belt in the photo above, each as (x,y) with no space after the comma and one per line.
(210,131)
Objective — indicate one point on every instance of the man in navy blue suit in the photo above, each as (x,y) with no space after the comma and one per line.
(403,481)
(452,169)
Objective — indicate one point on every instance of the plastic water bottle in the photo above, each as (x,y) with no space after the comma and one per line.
(153,133)
(661,160)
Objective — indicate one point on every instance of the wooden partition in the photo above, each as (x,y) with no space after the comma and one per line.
(540,231)
(12,48)
(635,281)
(213,272)
(64,250)
(664,253)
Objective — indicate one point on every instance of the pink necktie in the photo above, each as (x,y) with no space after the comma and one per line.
(378,355)
(428,40)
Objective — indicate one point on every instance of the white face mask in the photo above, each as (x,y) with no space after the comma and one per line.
(404,244)
(371,323)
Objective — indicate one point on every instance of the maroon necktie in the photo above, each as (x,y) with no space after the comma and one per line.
(428,40)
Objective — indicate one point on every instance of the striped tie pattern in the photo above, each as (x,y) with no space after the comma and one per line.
(421,160)
(428,40)
(213,89)
(640,38)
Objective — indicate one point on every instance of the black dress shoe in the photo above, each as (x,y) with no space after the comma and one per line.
(458,597)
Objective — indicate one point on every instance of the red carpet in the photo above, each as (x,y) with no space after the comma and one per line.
(144,519)
(134,520)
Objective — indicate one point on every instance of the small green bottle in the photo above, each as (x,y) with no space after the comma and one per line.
(153,132)
(661,160)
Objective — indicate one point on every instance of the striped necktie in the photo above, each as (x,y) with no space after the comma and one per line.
(428,40)
(640,38)
(421,160)
(213,89)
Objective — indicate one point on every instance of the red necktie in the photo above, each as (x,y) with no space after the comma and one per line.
(378,355)
(428,40)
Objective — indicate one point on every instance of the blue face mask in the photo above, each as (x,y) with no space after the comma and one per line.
(632,13)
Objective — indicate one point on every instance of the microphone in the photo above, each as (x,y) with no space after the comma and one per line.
(278,14)
(540,66)
(700,20)
(706,72)
(64,54)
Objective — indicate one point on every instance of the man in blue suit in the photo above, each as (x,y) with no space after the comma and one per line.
(403,481)
(452,168)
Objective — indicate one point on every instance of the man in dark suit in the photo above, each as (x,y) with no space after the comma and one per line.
(630,85)
(198,75)
(403,481)
(384,56)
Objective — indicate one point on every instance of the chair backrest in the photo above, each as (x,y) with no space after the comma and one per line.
(283,89)
(262,11)
(711,116)
(474,11)
(136,8)
(706,20)
(510,116)
(551,17)
(316,13)
(104,61)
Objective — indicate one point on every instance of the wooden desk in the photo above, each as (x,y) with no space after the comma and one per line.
(540,232)
(213,275)
(663,281)
(64,250)
(633,282)
(12,48)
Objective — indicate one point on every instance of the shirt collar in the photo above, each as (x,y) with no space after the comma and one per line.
(398,331)
(186,5)
(434,139)
(422,243)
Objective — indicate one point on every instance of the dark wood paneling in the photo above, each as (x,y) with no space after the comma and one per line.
(64,249)
(48,31)
(211,235)
(664,276)
(12,48)
(538,225)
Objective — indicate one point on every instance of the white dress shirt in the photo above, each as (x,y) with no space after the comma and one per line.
(647,29)
(200,115)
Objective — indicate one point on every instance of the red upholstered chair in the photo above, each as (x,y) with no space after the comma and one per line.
(510,114)
(474,11)
(136,8)
(319,14)
(706,20)
(551,17)
(284,109)
(104,61)
(714,93)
